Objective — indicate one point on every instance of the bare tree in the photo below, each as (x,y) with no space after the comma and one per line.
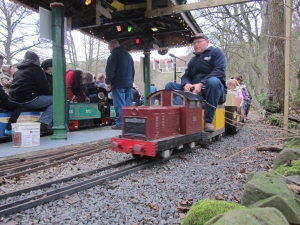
(240,30)
(71,50)
(276,56)
(17,32)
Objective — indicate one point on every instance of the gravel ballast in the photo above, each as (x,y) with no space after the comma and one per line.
(151,196)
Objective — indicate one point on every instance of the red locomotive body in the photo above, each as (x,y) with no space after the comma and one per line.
(162,125)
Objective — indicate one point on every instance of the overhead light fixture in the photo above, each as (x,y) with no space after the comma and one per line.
(119,28)
(154,29)
(88,2)
(129,28)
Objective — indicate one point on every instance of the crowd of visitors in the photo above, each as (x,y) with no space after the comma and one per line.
(31,86)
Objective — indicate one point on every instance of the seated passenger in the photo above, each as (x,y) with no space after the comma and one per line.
(47,67)
(30,87)
(88,81)
(248,97)
(235,89)
(100,81)
(205,76)
(152,88)
(75,91)
(7,77)
(15,107)
(136,98)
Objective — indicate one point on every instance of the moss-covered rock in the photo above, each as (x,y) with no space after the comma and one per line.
(290,152)
(270,190)
(289,208)
(257,216)
(204,210)
(285,170)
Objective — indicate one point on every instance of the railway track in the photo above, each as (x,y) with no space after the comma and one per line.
(15,168)
(120,169)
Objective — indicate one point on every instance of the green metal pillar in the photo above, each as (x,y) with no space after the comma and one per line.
(59,87)
(147,77)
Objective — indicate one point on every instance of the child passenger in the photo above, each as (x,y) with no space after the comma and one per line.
(7,77)
(233,87)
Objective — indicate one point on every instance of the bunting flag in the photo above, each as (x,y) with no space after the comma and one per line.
(166,62)
(155,61)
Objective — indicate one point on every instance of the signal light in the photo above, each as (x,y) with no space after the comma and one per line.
(129,28)
(101,19)
(137,40)
(88,2)
(119,28)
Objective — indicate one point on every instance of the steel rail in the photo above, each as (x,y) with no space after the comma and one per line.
(45,164)
(42,155)
(74,188)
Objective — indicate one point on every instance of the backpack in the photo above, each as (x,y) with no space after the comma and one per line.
(244,95)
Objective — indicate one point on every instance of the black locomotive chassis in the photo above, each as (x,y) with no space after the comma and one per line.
(200,138)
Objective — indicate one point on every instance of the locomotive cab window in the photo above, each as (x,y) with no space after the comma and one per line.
(156,100)
(177,100)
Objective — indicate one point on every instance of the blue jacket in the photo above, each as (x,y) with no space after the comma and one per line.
(211,63)
(119,69)
(152,89)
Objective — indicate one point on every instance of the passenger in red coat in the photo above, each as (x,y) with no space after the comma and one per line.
(75,91)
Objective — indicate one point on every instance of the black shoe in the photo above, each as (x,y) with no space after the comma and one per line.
(114,127)
(47,128)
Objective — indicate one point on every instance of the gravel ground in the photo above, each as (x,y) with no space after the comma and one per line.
(151,196)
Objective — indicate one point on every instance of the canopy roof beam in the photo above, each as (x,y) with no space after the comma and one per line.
(188,7)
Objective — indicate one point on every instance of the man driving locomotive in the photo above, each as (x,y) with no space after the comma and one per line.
(205,75)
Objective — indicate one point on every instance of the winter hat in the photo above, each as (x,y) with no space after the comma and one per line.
(198,36)
(239,78)
(31,56)
(46,64)
(6,68)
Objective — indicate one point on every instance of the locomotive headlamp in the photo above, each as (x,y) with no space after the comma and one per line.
(137,148)
(109,95)
(101,95)
(114,144)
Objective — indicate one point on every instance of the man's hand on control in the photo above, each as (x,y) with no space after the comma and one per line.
(187,87)
(197,88)
(107,87)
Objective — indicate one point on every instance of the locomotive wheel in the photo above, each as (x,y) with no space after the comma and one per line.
(140,157)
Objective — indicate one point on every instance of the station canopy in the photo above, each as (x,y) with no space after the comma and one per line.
(138,25)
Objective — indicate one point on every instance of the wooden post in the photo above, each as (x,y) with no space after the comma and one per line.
(288,17)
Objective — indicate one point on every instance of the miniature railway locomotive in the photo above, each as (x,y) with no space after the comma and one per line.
(163,126)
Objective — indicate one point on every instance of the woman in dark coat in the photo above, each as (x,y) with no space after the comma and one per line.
(15,107)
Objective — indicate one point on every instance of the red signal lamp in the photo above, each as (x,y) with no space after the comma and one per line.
(137,40)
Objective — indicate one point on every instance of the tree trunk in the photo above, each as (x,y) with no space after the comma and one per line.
(275,99)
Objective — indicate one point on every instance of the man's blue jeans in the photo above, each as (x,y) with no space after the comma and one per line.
(213,93)
(43,101)
(121,97)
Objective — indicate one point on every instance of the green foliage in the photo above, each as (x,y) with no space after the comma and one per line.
(294,143)
(275,121)
(272,107)
(205,210)
(262,98)
(285,170)
(296,99)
